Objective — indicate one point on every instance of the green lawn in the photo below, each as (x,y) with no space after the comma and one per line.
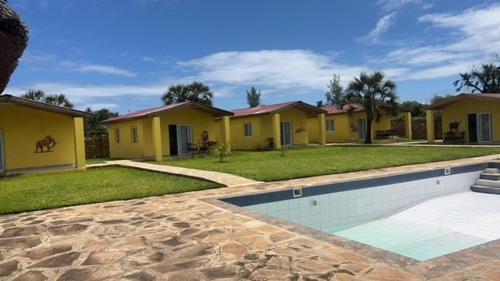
(44,191)
(297,163)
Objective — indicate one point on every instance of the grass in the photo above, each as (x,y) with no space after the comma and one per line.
(306,162)
(96,160)
(45,191)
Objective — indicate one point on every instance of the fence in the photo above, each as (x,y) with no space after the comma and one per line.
(97,146)
(419,128)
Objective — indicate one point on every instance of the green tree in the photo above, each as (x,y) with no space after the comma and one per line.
(253,97)
(59,100)
(335,93)
(376,94)
(40,96)
(93,124)
(36,95)
(485,79)
(196,92)
(416,108)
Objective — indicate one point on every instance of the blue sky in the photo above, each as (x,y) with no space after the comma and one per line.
(124,54)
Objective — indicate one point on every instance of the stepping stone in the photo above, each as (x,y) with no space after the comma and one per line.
(40,253)
(57,261)
(21,242)
(31,276)
(67,229)
(6,268)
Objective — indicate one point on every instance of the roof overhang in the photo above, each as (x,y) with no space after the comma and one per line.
(43,106)
(464,97)
(310,110)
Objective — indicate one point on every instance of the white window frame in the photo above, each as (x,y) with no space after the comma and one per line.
(332,123)
(117,135)
(247,130)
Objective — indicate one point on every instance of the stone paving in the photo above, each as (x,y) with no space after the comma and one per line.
(218,177)
(182,237)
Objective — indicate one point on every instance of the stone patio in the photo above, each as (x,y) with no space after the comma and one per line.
(182,237)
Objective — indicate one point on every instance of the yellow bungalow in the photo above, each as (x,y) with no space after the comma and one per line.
(37,136)
(348,124)
(274,126)
(171,130)
(467,118)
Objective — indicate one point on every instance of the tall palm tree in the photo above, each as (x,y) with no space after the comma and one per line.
(59,100)
(376,94)
(196,91)
(36,95)
(13,41)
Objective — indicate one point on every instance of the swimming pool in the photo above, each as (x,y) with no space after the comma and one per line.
(420,215)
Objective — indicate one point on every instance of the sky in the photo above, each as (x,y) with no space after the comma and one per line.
(124,54)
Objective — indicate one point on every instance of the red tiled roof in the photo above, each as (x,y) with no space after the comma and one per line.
(274,108)
(465,97)
(157,110)
(334,109)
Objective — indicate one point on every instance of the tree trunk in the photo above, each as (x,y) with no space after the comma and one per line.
(368,134)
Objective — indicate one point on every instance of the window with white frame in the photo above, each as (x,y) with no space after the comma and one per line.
(117,135)
(248,129)
(330,125)
(134,134)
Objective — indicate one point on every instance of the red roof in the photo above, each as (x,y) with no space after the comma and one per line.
(216,112)
(275,108)
(465,97)
(335,109)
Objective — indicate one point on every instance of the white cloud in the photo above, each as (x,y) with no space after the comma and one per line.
(473,35)
(96,68)
(382,27)
(392,5)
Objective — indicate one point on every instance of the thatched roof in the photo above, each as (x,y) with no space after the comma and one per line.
(13,41)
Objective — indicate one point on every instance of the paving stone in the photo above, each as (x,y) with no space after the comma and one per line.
(39,253)
(67,229)
(141,276)
(181,224)
(7,267)
(57,261)
(21,231)
(31,276)
(79,274)
(170,266)
(103,258)
(220,272)
(20,242)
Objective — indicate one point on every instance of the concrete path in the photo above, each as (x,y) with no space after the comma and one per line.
(221,178)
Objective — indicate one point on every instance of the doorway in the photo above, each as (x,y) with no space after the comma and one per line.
(484,128)
(179,136)
(362,129)
(472,127)
(286,133)
(2,153)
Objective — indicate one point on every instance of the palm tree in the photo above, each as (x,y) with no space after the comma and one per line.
(253,97)
(36,95)
(14,39)
(59,100)
(196,91)
(376,94)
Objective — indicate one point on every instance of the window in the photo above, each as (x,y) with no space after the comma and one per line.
(248,129)
(330,125)
(134,135)
(117,135)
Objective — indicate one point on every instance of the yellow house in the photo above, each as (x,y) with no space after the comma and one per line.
(348,124)
(171,130)
(39,136)
(473,118)
(274,126)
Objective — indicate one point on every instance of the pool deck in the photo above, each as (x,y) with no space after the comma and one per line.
(184,237)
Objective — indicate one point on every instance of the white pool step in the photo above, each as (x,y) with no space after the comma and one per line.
(488,182)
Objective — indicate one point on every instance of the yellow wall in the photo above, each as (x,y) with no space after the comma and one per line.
(344,127)
(198,120)
(459,111)
(262,129)
(24,126)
